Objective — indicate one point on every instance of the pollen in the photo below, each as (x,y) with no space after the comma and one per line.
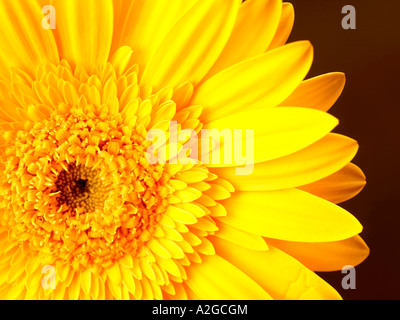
(77,189)
(81,188)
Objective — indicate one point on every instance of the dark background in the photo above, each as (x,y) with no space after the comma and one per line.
(368,111)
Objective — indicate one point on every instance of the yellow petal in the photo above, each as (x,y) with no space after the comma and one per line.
(277,132)
(165,112)
(319,93)
(193,45)
(254,29)
(120,60)
(155,246)
(174,250)
(128,280)
(148,270)
(240,237)
(74,287)
(170,266)
(126,261)
(193,208)
(217,192)
(182,95)
(3,273)
(100,289)
(60,291)
(114,273)
(285,26)
(205,247)
(282,276)
(86,279)
(147,291)
(125,294)
(260,82)
(192,176)
(187,195)
(113,290)
(157,294)
(217,279)
(121,10)
(291,215)
(136,270)
(321,159)
(340,186)
(24,43)
(326,256)
(145,24)
(84,31)
(172,234)
(15,290)
(34,283)
(180,215)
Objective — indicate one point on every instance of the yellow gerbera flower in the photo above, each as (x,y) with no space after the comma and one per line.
(83,214)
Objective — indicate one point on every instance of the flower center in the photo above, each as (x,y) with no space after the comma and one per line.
(77,187)
(81,187)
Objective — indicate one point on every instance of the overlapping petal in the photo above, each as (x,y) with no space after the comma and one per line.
(291,215)
(217,279)
(321,159)
(84,31)
(24,43)
(260,82)
(326,256)
(340,186)
(285,26)
(291,279)
(277,132)
(254,30)
(319,93)
(193,45)
(143,26)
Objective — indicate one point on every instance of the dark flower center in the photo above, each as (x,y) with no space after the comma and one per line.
(80,187)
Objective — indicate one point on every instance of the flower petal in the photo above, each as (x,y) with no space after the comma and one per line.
(282,276)
(121,11)
(86,278)
(84,30)
(254,29)
(340,186)
(277,132)
(193,45)
(74,287)
(217,279)
(261,82)
(285,26)
(27,45)
(291,215)
(240,237)
(319,93)
(145,24)
(325,256)
(321,159)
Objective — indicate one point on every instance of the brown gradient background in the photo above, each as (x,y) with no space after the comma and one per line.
(369,111)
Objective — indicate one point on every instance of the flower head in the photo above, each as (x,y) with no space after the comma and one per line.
(78,192)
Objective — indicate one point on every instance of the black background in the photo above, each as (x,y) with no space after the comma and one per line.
(368,111)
